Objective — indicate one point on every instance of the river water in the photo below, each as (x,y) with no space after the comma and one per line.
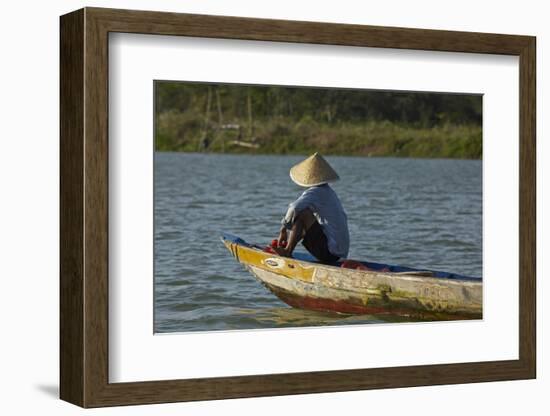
(424,213)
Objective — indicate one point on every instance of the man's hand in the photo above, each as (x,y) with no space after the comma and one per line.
(283,237)
(282,251)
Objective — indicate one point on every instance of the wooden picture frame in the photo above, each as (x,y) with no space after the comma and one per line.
(84,207)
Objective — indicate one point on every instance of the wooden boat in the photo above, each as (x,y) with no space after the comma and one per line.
(374,289)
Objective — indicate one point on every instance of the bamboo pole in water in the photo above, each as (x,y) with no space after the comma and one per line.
(220,116)
(204,138)
(249,104)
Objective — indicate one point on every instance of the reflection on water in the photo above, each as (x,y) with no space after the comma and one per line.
(412,212)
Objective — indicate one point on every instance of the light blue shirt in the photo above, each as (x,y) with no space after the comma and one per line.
(328,210)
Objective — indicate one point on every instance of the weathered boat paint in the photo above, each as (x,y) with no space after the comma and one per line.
(309,285)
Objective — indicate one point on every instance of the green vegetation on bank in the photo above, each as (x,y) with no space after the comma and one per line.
(193,117)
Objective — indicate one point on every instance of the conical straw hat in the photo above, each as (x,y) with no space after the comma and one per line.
(313,171)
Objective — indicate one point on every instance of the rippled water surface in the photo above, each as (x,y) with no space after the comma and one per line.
(413,212)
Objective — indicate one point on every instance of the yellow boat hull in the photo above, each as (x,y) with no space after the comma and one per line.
(309,285)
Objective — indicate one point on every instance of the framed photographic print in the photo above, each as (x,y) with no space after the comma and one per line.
(255,207)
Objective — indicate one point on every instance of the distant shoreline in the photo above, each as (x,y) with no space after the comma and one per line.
(311,152)
(270,119)
(370,139)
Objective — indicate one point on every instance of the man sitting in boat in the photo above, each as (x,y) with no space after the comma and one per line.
(317,217)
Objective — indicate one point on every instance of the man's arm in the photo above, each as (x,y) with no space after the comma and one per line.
(292,229)
(283,237)
(304,201)
(301,224)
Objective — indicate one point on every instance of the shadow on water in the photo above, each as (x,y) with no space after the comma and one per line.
(285,317)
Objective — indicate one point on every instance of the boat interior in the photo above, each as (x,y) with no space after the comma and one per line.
(303,256)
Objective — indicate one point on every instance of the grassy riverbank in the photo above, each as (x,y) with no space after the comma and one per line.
(179,132)
(232,118)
